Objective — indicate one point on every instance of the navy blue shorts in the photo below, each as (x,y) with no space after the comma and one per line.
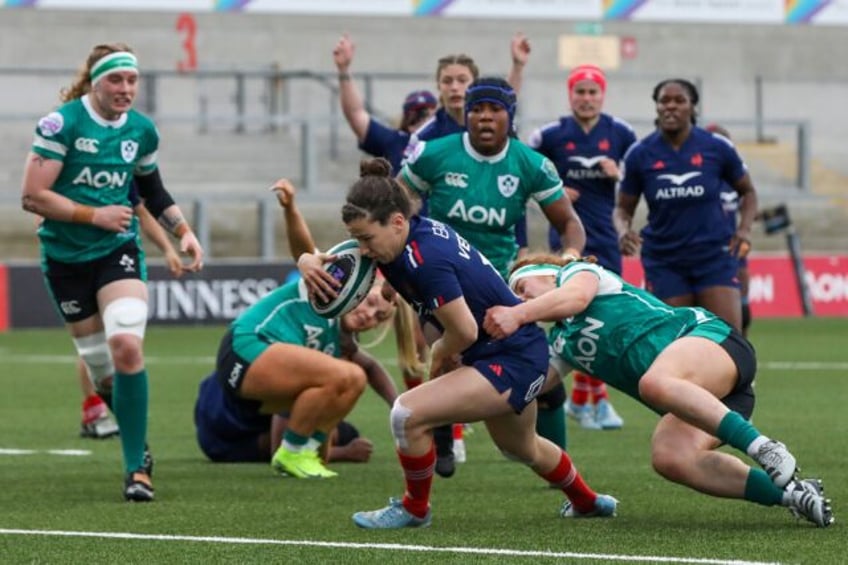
(228,428)
(668,278)
(521,370)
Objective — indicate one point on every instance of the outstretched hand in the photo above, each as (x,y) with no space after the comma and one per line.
(284,190)
(343,53)
(520,48)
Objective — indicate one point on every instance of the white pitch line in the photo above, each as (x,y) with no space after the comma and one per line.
(386,546)
(64,452)
(210,361)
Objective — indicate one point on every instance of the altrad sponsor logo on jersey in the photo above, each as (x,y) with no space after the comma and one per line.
(679,188)
(588,168)
(101,179)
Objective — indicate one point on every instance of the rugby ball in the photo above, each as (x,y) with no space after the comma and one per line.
(356,275)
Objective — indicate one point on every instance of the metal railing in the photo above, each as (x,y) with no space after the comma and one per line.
(274,89)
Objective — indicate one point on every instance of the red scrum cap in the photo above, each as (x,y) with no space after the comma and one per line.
(587,72)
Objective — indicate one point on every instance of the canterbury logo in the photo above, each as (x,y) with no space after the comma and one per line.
(86,145)
(459,180)
(679,179)
(70,307)
(587,162)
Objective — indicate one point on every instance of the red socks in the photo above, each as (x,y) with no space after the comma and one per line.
(418,474)
(566,476)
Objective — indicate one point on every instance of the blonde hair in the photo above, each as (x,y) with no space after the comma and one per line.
(82,82)
(403,320)
(407,354)
(548,259)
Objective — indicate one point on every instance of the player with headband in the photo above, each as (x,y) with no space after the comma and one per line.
(586,147)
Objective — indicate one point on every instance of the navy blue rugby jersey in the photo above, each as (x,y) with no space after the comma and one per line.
(683,191)
(438,266)
(576,155)
(383,141)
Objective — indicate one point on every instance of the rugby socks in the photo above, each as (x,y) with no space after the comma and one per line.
(315,441)
(411,380)
(736,431)
(129,401)
(565,476)
(581,389)
(598,389)
(93,408)
(293,442)
(418,475)
(759,488)
(550,416)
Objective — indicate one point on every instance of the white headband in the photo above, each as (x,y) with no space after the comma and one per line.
(532,271)
(113,63)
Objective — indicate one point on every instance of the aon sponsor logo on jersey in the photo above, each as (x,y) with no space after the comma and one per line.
(477,214)
(101,179)
(586,346)
(313,339)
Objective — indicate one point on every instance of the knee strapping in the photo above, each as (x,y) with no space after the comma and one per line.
(125,316)
(95,354)
(399,415)
(552,399)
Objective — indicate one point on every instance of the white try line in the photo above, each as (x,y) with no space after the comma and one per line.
(209,361)
(63,452)
(394,547)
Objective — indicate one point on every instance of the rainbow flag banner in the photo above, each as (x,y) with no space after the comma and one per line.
(694,11)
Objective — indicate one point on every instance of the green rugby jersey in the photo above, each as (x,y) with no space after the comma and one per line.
(285,316)
(482,197)
(623,330)
(99,159)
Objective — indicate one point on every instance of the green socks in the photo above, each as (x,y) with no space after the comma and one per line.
(129,402)
(550,424)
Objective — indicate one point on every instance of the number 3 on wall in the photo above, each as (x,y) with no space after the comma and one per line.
(187,26)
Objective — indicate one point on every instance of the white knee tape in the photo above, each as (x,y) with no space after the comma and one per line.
(399,415)
(94,352)
(125,316)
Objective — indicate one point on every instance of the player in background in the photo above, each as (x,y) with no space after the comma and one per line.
(586,148)
(454,74)
(730,204)
(685,363)
(77,176)
(479,183)
(689,252)
(451,285)
(379,140)
(373,137)
(279,355)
